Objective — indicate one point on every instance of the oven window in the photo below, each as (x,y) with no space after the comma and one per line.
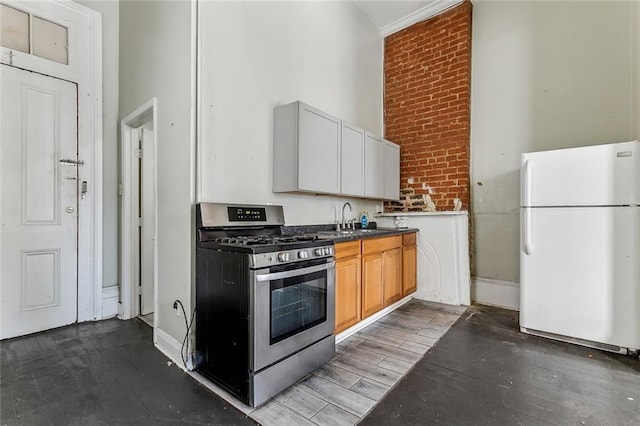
(297,304)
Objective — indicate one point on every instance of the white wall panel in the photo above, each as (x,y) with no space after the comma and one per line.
(257,55)
(545,75)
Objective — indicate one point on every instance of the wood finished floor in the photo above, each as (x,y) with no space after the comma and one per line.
(483,371)
(367,365)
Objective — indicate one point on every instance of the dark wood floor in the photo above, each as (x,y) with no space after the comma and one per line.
(485,372)
(101,373)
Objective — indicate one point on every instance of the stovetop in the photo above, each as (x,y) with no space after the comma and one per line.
(265,243)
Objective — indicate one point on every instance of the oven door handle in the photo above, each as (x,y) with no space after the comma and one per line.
(295,272)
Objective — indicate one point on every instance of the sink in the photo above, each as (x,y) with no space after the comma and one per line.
(337,233)
(346,233)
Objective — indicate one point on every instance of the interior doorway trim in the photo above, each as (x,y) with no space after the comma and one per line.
(84,69)
(129,228)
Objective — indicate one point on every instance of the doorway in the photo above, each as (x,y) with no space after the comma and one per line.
(39,199)
(51,166)
(139,211)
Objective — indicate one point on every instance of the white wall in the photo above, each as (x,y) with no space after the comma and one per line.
(110,18)
(155,58)
(257,55)
(544,75)
(635,19)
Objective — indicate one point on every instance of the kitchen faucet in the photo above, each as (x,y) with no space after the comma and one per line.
(350,209)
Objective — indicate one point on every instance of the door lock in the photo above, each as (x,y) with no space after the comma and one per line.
(83,190)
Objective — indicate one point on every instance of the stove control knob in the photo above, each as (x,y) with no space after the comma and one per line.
(317,252)
(302,254)
(283,257)
(327,250)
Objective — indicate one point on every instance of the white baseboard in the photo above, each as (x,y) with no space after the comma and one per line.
(504,294)
(168,346)
(110,297)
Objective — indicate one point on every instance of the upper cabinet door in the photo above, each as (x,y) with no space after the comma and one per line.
(373,166)
(352,161)
(318,151)
(391,173)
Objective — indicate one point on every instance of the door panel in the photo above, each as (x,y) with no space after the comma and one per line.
(372,281)
(38,237)
(579,273)
(601,175)
(318,151)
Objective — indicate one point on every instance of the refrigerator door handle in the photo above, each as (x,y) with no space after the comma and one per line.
(526,184)
(526,232)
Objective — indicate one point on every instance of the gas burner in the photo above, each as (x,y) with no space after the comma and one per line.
(253,240)
(295,238)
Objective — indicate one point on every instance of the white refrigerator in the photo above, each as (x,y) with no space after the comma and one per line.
(580,245)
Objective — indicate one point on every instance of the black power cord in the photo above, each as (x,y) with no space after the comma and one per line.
(185,342)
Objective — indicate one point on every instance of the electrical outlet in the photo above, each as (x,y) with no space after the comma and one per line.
(175,308)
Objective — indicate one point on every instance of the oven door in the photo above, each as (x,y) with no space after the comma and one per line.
(293,307)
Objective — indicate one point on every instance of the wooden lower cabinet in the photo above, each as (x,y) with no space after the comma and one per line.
(372,274)
(348,285)
(392,275)
(409,270)
(372,284)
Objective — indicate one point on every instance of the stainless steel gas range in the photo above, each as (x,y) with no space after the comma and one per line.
(264,301)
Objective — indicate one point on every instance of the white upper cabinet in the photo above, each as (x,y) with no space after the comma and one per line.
(318,153)
(391,172)
(306,150)
(352,161)
(373,166)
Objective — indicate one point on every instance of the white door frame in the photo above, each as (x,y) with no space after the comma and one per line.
(85,69)
(129,261)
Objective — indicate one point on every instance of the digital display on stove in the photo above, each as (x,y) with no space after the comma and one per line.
(247,214)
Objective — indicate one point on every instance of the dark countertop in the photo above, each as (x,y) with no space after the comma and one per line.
(363,234)
(328,232)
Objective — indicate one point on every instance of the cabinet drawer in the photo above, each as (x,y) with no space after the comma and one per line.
(381,244)
(347,249)
(409,239)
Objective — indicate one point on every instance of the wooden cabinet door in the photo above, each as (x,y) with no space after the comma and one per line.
(372,289)
(392,275)
(409,270)
(347,293)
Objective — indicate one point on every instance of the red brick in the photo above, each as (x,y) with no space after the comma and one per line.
(427,103)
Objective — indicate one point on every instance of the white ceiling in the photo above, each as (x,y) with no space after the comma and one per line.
(391,16)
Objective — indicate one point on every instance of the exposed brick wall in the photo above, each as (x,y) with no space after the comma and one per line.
(427,71)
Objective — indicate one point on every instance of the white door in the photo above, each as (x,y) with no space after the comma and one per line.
(600,175)
(38,211)
(352,161)
(391,159)
(373,166)
(147,213)
(318,151)
(579,273)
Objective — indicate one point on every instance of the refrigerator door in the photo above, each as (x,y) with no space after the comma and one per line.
(601,175)
(580,273)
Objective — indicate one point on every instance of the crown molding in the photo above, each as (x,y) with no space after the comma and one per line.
(426,12)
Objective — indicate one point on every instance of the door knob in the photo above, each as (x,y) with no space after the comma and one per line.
(69,209)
